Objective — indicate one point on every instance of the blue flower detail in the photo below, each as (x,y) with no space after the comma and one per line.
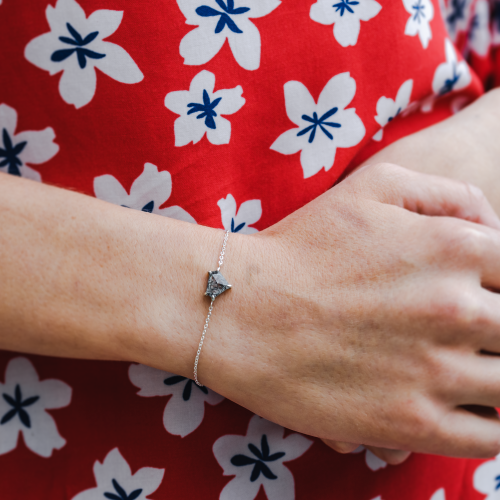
(497,479)
(450,83)
(392,117)
(186,393)
(206,109)
(148,207)
(238,228)
(474,25)
(319,122)
(345,5)
(262,456)
(78,43)
(121,493)
(10,153)
(458,11)
(419,11)
(225,19)
(18,407)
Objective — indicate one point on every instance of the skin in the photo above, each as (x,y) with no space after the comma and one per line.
(464,147)
(361,318)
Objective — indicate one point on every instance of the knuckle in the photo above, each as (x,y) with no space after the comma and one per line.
(474,194)
(456,308)
(420,425)
(380,172)
(438,368)
(459,241)
(382,179)
(471,190)
(471,244)
(387,171)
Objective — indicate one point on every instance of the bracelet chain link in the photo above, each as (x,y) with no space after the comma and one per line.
(222,286)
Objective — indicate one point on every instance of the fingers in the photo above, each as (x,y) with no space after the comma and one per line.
(472,432)
(478,383)
(490,260)
(424,194)
(392,457)
(464,246)
(488,324)
(478,247)
(466,434)
(341,447)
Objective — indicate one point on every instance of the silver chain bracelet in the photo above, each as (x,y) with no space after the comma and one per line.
(216,286)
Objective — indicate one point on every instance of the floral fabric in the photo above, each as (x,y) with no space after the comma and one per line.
(231,114)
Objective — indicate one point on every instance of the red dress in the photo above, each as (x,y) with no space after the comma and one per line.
(227,113)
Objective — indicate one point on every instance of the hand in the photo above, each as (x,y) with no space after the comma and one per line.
(463,147)
(364,317)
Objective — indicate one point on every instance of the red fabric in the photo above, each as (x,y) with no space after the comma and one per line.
(125,126)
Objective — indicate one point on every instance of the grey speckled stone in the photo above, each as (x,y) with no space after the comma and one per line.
(216,285)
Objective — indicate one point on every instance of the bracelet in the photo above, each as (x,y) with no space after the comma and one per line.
(216,286)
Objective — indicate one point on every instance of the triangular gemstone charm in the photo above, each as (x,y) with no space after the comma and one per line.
(216,285)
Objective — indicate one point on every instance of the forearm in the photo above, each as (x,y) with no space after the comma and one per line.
(83,278)
(465,147)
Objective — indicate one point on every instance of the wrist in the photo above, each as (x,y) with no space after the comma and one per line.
(172,308)
(233,358)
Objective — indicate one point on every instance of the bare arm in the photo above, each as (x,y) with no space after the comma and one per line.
(84,278)
(349,320)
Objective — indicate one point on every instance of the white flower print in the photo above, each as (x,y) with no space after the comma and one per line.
(346,17)
(148,193)
(239,221)
(487,479)
(456,14)
(479,33)
(372,461)
(186,408)
(421,14)
(322,127)
(258,459)
(451,75)
(221,20)
(76,47)
(22,409)
(115,480)
(388,109)
(201,110)
(439,495)
(17,150)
